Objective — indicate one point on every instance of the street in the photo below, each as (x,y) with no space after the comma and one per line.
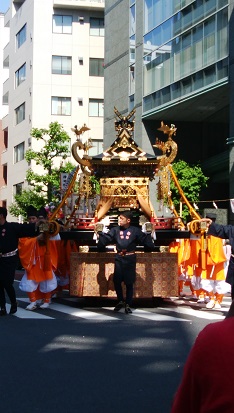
(79,355)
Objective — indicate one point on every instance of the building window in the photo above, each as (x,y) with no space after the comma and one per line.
(20,113)
(20,75)
(97,147)
(5,174)
(61,65)
(18,188)
(62,24)
(61,106)
(96,107)
(96,27)
(96,67)
(21,37)
(131,102)
(19,152)
(5,138)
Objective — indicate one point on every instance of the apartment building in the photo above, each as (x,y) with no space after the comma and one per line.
(173,61)
(4,35)
(55,56)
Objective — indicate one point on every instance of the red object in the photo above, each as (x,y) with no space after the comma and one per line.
(207,382)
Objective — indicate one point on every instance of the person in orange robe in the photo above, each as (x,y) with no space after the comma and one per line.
(39,280)
(213,278)
(182,247)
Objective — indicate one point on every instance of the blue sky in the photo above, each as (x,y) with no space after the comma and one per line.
(4,5)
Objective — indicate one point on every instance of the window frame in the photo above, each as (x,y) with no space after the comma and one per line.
(18,119)
(18,77)
(21,36)
(99,29)
(100,109)
(62,100)
(62,60)
(62,16)
(18,188)
(19,152)
(96,70)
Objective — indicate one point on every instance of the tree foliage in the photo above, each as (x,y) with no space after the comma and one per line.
(191,180)
(23,200)
(54,144)
(44,187)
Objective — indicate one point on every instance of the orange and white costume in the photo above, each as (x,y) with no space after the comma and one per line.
(37,281)
(213,278)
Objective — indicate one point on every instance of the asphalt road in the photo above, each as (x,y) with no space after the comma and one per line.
(80,356)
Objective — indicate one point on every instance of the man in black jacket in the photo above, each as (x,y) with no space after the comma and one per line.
(126,238)
(10,232)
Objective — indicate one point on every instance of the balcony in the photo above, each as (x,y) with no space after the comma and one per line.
(6,86)
(6,52)
(81,4)
(7,18)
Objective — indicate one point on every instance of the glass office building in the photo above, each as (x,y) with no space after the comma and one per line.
(185,49)
(172,61)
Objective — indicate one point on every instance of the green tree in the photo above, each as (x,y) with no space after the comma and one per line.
(54,144)
(191,180)
(23,200)
(44,187)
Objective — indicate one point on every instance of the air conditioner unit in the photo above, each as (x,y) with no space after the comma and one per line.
(81,19)
(80,101)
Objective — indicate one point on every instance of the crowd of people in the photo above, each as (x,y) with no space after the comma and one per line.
(208,283)
(46,269)
(46,262)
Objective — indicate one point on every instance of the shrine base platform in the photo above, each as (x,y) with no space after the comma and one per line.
(92,274)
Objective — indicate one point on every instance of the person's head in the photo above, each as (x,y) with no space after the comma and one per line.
(42,213)
(125,218)
(3,212)
(31,214)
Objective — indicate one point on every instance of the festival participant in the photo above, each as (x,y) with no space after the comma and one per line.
(224,232)
(182,248)
(39,279)
(10,232)
(208,374)
(126,238)
(213,278)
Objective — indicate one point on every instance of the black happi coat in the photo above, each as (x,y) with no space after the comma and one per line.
(10,232)
(225,232)
(125,240)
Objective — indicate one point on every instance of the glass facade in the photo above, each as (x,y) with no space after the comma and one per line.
(185,48)
(132,52)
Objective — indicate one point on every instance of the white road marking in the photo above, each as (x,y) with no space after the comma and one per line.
(22,313)
(195,313)
(86,314)
(75,312)
(150,316)
(95,315)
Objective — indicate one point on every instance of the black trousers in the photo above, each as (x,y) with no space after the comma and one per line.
(125,272)
(8,286)
(119,291)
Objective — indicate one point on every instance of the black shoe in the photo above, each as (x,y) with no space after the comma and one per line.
(119,306)
(3,311)
(13,308)
(128,309)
